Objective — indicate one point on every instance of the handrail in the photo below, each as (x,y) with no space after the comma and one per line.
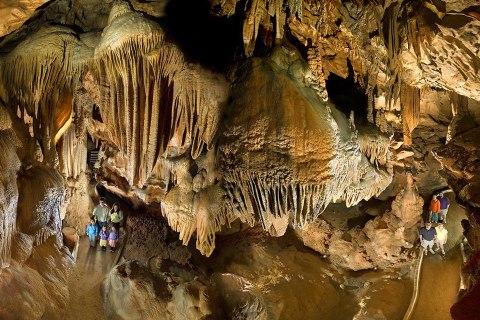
(75,249)
(416,283)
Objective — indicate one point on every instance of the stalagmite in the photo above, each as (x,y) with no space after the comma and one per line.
(408,204)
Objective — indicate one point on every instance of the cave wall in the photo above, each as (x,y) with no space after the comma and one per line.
(33,260)
(258,139)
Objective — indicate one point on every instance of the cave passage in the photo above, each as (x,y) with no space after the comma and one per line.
(439,281)
(93,265)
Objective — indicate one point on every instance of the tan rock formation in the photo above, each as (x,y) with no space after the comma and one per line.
(383,242)
(153,104)
(408,205)
(286,153)
(28,75)
(14,13)
(133,292)
(10,163)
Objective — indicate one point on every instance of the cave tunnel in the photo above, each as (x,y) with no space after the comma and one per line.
(239,195)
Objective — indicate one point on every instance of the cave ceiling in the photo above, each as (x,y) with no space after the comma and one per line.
(221,110)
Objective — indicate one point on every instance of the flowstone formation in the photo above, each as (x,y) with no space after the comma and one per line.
(321,105)
(286,154)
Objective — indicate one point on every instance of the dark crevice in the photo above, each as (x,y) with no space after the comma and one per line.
(204,38)
(347,95)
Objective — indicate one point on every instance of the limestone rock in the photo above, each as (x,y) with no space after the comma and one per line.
(133,292)
(408,204)
(286,152)
(15,13)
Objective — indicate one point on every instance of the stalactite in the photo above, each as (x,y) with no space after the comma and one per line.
(156,103)
(74,153)
(410,101)
(413,38)
(374,145)
(393,44)
(37,76)
(260,13)
(274,167)
(370,106)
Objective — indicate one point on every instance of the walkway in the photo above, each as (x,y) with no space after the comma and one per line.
(90,270)
(85,282)
(440,277)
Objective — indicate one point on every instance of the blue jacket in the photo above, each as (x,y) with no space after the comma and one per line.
(92,230)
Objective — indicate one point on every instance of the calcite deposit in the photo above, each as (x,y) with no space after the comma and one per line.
(223,122)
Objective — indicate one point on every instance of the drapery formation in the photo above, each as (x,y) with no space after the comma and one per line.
(161,113)
(36,78)
(152,102)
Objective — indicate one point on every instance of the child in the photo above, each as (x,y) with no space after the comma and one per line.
(92,231)
(112,239)
(103,238)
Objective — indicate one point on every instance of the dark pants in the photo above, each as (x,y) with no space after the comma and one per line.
(116,225)
(101,224)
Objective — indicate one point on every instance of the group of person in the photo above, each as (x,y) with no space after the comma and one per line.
(105,225)
(438,235)
(439,208)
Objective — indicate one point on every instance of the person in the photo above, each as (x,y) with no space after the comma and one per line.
(112,239)
(434,209)
(101,212)
(428,237)
(442,236)
(444,205)
(92,231)
(116,216)
(103,238)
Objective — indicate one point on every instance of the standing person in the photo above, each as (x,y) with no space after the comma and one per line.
(442,236)
(101,212)
(444,205)
(116,216)
(103,238)
(428,237)
(434,209)
(113,239)
(92,231)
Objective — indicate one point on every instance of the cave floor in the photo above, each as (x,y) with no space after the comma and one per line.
(440,277)
(85,282)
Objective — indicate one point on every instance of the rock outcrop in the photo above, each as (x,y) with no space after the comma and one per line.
(383,242)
